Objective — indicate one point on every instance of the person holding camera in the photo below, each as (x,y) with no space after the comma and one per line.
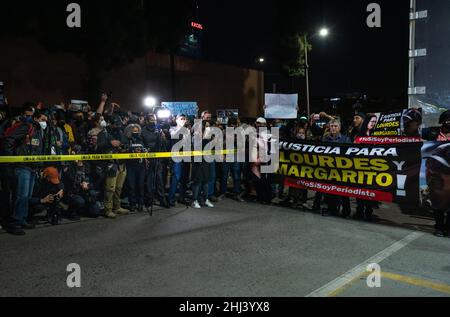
(111,141)
(48,195)
(80,194)
(136,168)
(155,141)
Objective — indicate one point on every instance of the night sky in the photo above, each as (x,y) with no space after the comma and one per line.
(354,58)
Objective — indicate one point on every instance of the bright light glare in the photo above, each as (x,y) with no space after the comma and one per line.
(163,114)
(324,32)
(150,102)
(262,60)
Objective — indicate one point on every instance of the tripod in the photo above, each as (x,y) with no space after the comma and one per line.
(154,173)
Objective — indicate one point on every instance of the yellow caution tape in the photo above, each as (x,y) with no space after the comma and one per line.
(106,157)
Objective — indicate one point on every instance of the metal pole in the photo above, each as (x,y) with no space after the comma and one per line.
(308,107)
(412,47)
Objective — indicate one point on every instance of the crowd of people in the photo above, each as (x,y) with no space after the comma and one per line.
(113,188)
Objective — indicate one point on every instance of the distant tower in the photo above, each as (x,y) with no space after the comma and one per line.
(192,43)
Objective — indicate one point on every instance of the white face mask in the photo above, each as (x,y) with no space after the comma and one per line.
(43,125)
(103,124)
(181,123)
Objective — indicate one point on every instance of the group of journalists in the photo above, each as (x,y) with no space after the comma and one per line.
(52,191)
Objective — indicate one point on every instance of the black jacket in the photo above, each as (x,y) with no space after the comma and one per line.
(154,141)
(104,139)
(74,176)
(44,189)
(22,143)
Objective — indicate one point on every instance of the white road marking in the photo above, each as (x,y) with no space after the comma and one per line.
(354,273)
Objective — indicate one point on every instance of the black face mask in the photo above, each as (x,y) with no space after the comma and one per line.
(27,119)
(135,135)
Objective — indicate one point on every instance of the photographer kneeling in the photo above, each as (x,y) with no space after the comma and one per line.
(81,196)
(48,196)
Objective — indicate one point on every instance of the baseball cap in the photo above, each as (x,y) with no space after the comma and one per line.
(261,121)
(52,175)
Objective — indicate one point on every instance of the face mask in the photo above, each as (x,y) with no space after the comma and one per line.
(181,123)
(27,119)
(43,125)
(446,126)
(301,136)
(135,135)
(103,124)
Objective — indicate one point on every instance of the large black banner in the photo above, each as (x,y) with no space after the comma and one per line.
(388,173)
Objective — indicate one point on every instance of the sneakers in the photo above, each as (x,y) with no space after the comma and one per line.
(238,198)
(196,205)
(209,204)
(121,211)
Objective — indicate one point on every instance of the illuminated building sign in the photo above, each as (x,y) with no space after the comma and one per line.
(196,25)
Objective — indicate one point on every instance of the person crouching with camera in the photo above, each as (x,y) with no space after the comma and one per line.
(80,194)
(48,195)
(136,168)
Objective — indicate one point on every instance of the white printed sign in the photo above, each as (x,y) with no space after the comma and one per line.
(281,106)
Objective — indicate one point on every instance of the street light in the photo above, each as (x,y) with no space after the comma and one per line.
(322,33)
(261,60)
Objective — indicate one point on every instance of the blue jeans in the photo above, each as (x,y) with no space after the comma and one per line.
(235,169)
(176,178)
(25,179)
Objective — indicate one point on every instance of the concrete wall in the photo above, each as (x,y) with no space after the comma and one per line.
(32,74)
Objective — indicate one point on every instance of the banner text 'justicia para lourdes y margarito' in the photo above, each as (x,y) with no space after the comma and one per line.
(387,173)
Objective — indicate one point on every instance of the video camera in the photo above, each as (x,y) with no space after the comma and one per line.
(79,106)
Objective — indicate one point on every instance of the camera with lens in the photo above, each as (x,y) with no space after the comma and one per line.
(56,199)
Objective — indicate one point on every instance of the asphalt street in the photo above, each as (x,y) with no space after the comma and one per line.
(233,250)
